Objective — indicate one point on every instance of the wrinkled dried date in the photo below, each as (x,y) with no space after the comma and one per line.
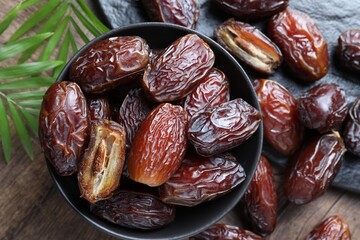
(282,128)
(228,232)
(314,167)
(217,129)
(63,126)
(249,44)
(99,108)
(135,210)
(349,49)
(109,63)
(301,43)
(333,227)
(351,132)
(175,72)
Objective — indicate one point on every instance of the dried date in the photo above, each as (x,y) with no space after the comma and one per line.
(351,132)
(63,126)
(334,227)
(228,232)
(349,49)
(99,108)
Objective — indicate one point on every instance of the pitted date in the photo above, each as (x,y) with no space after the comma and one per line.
(103,161)
(314,167)
(351,132)
(260,199)
(282,128)
(109,63)
(200,179)
(135,210)
(175,72)
(64,126)
(99,108)
(217,129)
(181,12)
(213,91)
(334,227)
(301,43)
(222,231)
(349,49)
(159,145)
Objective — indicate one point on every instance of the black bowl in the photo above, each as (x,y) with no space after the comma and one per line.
(188,221)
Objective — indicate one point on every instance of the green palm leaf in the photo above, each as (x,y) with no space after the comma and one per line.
(5,133)
(27,69)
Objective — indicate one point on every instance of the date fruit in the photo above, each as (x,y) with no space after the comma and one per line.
(228,232)
(253,9)
(99,108)
(323,107)
(349,49)
(200,179)
(351,132)
(64,126)
(250,45)
(213,91)
(159,145)
(260,199)
(314,167)
(282,128)
(109,63)
(135,210)
(333,227)
(103,161)
(217,129)
(301,43)
(181,12)
(176,71)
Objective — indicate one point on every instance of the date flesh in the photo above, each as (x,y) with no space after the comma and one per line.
(314,167)
(334,227)
(217,129)
(200,179)
(181,12)
(351,133)
(64,126)
(135,210)
(301,43)
(103,161)
(159,145)
(99,108)
(349,49)
(176,71)
(249,44)
(228,232)
(282,128)
(323,107)
(109,63)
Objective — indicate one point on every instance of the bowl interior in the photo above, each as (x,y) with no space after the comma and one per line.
(189,221)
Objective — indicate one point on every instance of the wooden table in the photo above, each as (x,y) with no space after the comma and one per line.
(31,207)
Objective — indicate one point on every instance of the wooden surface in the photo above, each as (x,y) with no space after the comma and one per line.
(31,207)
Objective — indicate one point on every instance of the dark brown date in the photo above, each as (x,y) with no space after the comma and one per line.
(217,129)
(103,161)
(250,45)
(301,43)
(109,63)
(260,199)
(228,232)
(213,91)
(176,71)
(351,132)
(282,128)
(333,227)
(323,107)
(181,12)
(99,108)
(135,210)
(64,126)
(314,167)
(159,145)
(254,9)
(349,49)
(200,179)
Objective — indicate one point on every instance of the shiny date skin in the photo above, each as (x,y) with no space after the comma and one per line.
(254,9)
(351,132)
(250,45)
(200,179)
(228,232)
(99,108)
(135,210)
(323,107)
(64,126)
(213,91)
(260,200)
(109,63)
(349,49)
(301,43)
(181,12)
(176,71)
(314,167)
(217,129)
(334,227)
(282,128)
